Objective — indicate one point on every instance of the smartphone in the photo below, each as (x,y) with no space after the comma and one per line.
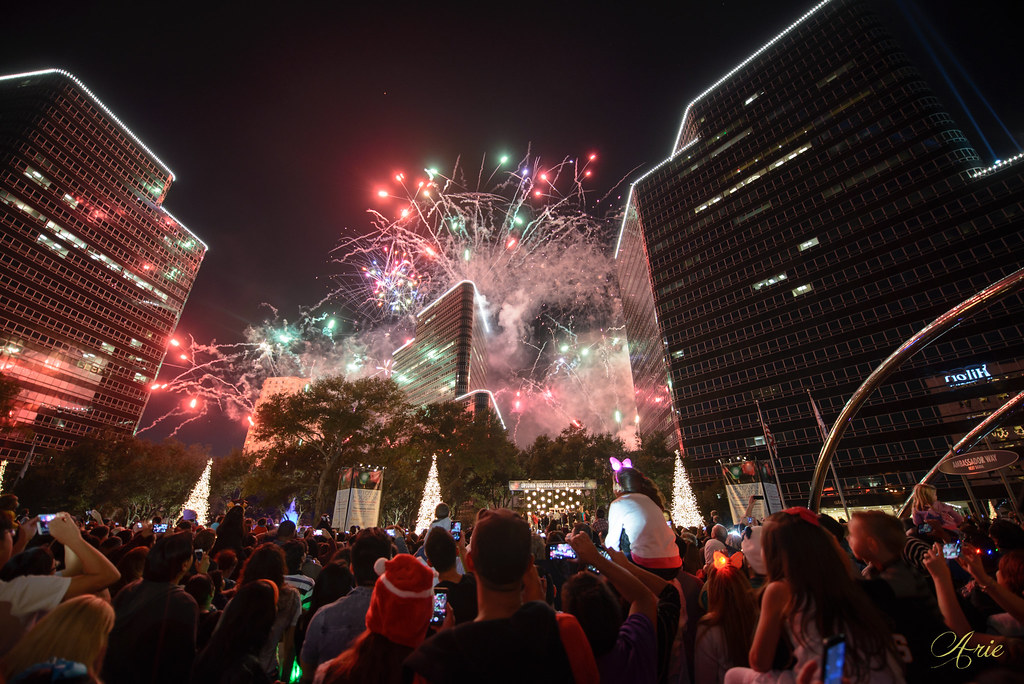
(160,528)
(318,533)
(759,497)
(440,603)
(560,552)
(457,531)
(44,522)
(138,526)
(834,660)
(750,522)
(951,550)
(199,555)
(924,528)
(391,532)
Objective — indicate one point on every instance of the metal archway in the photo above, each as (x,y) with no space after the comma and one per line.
(947,321)
(971,439)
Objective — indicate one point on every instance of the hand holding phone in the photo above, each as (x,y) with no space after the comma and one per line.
(440,606)
(457,531)
(951,550)
(561,552)
(834,660)
(43,522)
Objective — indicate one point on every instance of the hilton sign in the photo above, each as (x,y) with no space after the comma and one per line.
(967,375)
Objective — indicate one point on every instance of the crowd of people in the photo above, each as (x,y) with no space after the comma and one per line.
(622,597)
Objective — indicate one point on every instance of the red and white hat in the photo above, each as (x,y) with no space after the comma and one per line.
(402,601)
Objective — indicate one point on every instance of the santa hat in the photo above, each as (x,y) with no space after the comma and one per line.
(403,600)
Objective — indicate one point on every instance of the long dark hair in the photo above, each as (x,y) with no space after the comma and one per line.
(242,631)
(632,481)
(266,562)
(371,659)
(823,590)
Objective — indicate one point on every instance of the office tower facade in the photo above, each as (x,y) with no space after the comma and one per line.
(818,208)
(95,272)
(271,386)
(447,359)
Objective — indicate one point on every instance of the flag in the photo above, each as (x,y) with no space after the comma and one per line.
(817,416)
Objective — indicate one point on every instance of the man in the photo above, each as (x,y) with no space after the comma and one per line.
(285,533)
(442,517)
(442,553)
(719,535)
(86,571)
(294,555)
(154,636)
(335,626)
(516,637)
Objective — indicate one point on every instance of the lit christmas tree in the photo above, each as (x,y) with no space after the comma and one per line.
(431,498)
(684,504)
(199,499)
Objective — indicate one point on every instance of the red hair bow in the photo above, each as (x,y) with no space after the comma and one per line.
(805,514)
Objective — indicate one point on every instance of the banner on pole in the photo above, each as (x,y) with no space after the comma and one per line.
(743,481)
(358,499)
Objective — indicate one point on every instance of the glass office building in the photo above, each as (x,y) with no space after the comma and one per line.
(818,208)
(94,271)
(447,359)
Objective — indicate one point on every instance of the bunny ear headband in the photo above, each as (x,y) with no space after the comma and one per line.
(721,560)
(618,465)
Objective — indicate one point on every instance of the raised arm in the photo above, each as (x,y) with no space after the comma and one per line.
(641,599)
(97,573)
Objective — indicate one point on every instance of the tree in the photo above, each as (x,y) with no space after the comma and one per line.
(226,479)
(576,454)
(111,473)
(313,434)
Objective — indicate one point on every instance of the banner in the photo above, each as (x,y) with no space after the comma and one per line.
(543,485)
(742,482)
(358,499)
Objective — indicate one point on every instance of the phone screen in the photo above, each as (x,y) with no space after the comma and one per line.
(160,528)
(391,532)
(835,658)
(318,533)
(440,602)
(457,531)
(44,522)
(199,555)
(560,552)
(951,550)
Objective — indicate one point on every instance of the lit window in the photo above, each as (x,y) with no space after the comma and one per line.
(813,242)
(768,281)
(803,289)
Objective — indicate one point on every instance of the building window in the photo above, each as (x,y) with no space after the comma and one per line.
(813,242)
(768,281)
(803,289)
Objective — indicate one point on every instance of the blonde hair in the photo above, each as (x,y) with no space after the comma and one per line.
(76,630)
(924,497)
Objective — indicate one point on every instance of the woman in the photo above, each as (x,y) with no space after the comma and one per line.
(725,634)
(396,623)
(74,631)
(233,652)
(267,563)
(811,595)
(928,509)
(334,581)
(638,512)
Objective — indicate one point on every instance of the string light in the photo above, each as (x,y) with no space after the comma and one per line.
(684,505)
(431,497)
(3,469)
(199,499)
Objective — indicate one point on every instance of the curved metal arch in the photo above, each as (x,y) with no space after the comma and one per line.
(947,321)
(970,440)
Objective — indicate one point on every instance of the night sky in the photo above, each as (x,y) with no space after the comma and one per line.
(281,120)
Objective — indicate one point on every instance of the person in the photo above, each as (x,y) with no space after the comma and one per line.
(294,555)
(442,517)
(625,649)
(201,588)
(75,631)
(638,512)
(1006,589)
(233,654)
(267,563)
(926,508)
(24,598)
(726,632)
(335,626)
(442,552)
(154,635)
(231,532)
(333,582)
(811,595)
(516,637)
(717,542)
(396,623)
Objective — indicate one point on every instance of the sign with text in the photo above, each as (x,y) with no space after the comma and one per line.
(978,462)
(543,485)
(358,499)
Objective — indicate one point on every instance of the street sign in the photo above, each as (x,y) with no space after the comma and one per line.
(978,462)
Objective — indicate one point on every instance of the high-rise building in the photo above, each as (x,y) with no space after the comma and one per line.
(271,386)
(819,207)
(447,359)
(94,270)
